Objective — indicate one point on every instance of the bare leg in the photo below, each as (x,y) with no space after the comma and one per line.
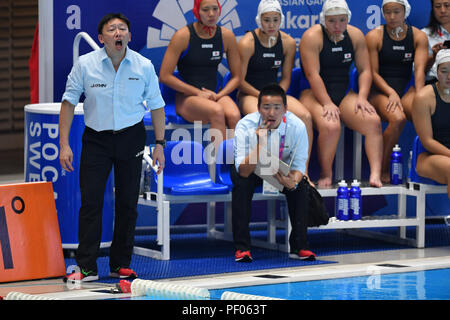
(369,125)
(407,101)
(247,104)
(396,121)
(327,140)
(297,108)
(436,167)
(217,114)
(232,114)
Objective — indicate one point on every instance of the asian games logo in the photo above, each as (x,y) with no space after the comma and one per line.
(175,14)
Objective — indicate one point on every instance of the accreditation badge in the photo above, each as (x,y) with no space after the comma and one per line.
(269,189)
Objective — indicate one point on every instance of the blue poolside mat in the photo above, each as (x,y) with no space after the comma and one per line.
(192,254)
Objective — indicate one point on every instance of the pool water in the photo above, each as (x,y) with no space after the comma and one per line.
(420,285)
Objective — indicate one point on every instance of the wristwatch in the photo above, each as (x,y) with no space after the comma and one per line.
(161,142)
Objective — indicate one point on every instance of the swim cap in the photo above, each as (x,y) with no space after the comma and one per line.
(334,7)
(196,8)
(405,3)
(442,56)
(268,6)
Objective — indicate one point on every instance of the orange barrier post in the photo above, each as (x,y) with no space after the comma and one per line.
(30,242)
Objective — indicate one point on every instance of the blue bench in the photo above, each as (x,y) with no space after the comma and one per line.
(420,185)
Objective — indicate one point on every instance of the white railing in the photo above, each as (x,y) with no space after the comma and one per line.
(76,44)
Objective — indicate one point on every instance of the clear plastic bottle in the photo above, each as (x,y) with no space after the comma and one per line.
(342,201)
(355,201)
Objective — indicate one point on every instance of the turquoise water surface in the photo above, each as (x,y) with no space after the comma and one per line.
(420,285)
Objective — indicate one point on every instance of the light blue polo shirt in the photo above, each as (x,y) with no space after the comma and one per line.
(295,137)
(113,100)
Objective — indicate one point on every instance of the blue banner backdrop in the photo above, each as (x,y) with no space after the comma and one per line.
(153,22)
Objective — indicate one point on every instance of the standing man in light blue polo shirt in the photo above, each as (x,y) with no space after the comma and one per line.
(119,85)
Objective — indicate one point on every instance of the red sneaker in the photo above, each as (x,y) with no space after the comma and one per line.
(82,276)
(303,255)
(123,273)
(243,256)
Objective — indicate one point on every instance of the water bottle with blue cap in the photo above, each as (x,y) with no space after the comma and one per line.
(342,201)
(396,165)
(355,201)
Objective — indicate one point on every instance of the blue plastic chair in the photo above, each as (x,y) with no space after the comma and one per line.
(191,178)
(411,83)
(413,175)
(298,83)
(294,88)
(225,159)
(224,163)
(354,79)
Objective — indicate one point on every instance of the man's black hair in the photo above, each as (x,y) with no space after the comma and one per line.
(109,17)
(272,89)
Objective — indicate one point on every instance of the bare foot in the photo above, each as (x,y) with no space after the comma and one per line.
(385,178)
(324,182)
(375,181)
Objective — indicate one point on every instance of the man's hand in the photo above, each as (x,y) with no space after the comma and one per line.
(288,181)
(261,133)
(158,158)
(66,158)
